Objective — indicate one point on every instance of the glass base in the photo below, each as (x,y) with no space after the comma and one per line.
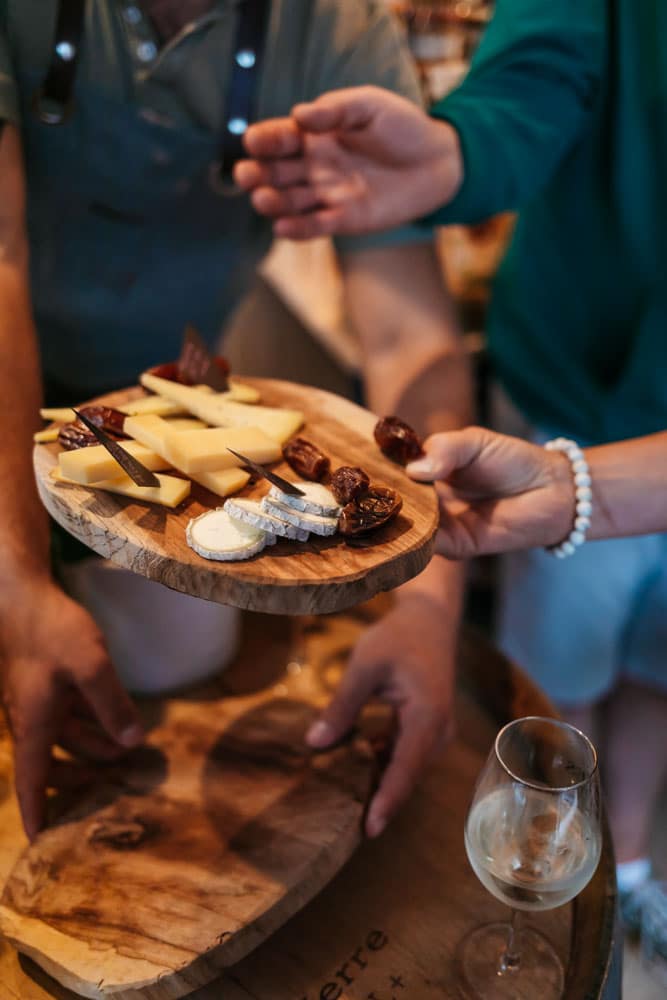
(540,975)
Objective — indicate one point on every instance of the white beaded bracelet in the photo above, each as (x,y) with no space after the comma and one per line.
(583,493)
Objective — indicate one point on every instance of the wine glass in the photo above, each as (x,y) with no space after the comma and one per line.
(533,839)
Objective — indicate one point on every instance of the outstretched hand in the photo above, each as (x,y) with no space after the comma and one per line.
(354,161)
(497,493)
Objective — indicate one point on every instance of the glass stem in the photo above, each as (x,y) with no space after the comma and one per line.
(510,960)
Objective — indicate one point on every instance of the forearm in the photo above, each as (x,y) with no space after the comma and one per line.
(629,487)
(25,550)
(23,519)
(415,362)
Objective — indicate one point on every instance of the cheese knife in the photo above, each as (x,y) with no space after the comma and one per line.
(283,485)
(137,472)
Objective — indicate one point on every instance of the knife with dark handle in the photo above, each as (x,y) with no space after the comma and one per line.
(278,481)
(196,363)
(137,472)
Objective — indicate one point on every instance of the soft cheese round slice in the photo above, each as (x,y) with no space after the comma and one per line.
(217,535)
(251,512)
(317,499)
(316,523)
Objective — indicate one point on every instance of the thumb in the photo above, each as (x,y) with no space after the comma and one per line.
(346,110)
(446,453)
(359,682)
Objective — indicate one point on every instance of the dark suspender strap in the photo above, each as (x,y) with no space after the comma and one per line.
(244,81)
(53,101)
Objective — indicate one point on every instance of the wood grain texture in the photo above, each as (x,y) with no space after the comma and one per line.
(316,577)
(186,856)
(387,927)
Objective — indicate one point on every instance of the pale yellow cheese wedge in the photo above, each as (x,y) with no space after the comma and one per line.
(224,482)
(206,451)
(169,493)
(91,465)
(149,429)
(152,404)
(218,410)
(61,414)
(47,435)
(199,451)
(184,424)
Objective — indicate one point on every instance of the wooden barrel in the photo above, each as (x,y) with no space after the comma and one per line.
(388,925)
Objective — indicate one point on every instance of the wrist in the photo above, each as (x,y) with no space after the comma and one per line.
(447,162)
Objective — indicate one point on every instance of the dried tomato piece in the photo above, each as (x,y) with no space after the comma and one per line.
(171,371)
(397,440)
(75,435)
(105,417)
(373,509)
(306,459)
(349,482)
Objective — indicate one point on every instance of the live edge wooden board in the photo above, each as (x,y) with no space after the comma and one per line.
(316,577)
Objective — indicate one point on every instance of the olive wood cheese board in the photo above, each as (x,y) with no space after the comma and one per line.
(160,870)
(322,575)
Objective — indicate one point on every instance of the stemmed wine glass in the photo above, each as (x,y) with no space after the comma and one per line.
(533,839)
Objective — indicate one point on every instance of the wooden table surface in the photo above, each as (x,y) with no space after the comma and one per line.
(387,927)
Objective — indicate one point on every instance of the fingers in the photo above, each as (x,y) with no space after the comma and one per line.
(251,174)
(325,222)
(358,684)
(419,736)
(276,204)
(347,109)
(446,453)
(83,739)
(272,139)
(35,730)
(109,701)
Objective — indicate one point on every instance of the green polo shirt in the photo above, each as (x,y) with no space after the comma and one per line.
(564,118)
(312,46)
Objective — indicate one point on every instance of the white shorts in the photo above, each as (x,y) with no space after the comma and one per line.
(579,625)
(158,639)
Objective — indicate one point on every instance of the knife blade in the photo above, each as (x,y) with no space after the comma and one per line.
(196,363)
(137,472)
(283,485)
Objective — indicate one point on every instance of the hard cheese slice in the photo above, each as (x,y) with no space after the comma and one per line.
(223,482)
(198,451)
(160,406)
(47,435)
(91,465)
(216,535)
(217,409)
(169,493)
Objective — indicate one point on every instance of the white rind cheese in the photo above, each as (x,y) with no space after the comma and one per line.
(216,535)
(317,499)
(251,512)
(309,522)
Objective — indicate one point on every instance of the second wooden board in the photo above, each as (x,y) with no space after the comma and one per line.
(316,577)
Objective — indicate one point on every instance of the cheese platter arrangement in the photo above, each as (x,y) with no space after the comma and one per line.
(263,494)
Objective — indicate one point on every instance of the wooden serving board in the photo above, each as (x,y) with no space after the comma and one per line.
(316,577)
(184,857)
(388,925)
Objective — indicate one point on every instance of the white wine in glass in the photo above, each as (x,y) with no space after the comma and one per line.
(533,839)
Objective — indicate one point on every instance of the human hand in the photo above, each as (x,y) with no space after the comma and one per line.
(406,660)
(57,685)
(353,161)
(497,493)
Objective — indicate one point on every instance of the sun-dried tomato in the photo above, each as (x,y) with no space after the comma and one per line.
(306,459)
(106,417)
(397,440)
(348,482)
(373,509)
